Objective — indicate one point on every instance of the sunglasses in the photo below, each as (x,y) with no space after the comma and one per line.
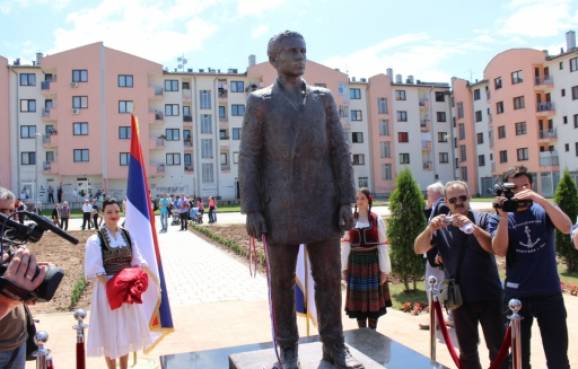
(462,198)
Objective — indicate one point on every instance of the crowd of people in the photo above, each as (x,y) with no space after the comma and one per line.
(183,208)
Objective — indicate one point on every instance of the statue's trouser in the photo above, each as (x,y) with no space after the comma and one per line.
(326,270)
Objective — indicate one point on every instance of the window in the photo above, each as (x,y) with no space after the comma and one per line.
(403,158)
(519,103)
(27,106)
(28,131)
(79,75)
(461,131)
(235,157)
(237,110)
(386,173)
(173,134)
(206,124)
(362,182)
(237,86)
(576,148)
(171,85)
(125,81)
(28,158)
(124,133)
(356,116)
(224,159)
(499,107)
(357,137)
(27,79)
(206,148)
(187,116)
(402,137)
(480,138)
(401,115)
(223,134)
(463,156)
(50,156)
(79,102)
(358,159)
(205,99)
(444,157)
(574,92)
(207,173)
(441,116)
(501,131)
(521,128)
(442,137)
(187,137)
(80,155)
(563,92)
(186,86)
(517,77)
(343,111)
(382,105)
(80,129)
(123,159)
(565,119)
(464,173)
(460,109)
(172,110)
(575,119)
(355,93)
(384,150)
(173,158)
(440,96)
(503,156)
(522,154)
(498,83)
(400,95)
(236,133)
(188,161)
(573,64)
(561,65)
(383,128)
(481,161)
(222,113)
(477,94)
(479,116)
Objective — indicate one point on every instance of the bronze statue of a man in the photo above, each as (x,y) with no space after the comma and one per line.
(296,187)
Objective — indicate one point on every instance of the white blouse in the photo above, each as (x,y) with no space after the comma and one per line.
(382,248)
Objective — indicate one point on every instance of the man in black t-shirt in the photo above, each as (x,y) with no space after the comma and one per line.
(465,246)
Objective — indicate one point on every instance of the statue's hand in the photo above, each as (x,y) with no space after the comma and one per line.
(345,218)
(256,226)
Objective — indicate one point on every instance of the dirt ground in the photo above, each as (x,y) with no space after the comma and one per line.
(55,250)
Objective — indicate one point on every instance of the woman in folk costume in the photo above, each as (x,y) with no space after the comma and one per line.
(118,324)
(366,264)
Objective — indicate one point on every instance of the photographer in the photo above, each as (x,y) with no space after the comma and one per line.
(19,273)
(526,237)
(465,246)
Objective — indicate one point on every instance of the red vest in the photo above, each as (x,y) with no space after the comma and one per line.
(365,237)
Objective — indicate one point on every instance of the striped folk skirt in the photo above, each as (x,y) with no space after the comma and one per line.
(366,298)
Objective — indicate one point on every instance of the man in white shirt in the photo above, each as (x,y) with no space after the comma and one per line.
(86,212)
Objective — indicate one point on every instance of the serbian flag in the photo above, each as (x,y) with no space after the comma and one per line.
(140,222)
(305,288)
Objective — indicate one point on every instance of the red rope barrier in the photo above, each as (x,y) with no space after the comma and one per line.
(503,352)
(446,335)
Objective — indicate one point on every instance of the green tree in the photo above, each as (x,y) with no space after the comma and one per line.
(567,198)
(406,222)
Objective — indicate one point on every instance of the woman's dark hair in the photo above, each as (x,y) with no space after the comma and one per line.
(367,193)
(107,202)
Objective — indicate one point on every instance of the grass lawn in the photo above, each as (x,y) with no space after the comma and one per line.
(399,297)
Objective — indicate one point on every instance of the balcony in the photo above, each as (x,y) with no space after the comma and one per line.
(547,81)
(545,108)
(47,166)
(427,165)
(47,113)
(47,141)
(549,134)
(423,103)
(158,169)
(159,116)
(157,143)
(549,159)
(187,118)
(189,168)
(223,93)
(187,95)
(45,85)
(159,91)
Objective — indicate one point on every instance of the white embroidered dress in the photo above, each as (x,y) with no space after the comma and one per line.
(113,333)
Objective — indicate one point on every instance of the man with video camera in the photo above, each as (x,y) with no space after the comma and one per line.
(19,275)
(523,231)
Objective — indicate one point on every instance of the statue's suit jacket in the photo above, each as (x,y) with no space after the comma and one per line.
(294,164)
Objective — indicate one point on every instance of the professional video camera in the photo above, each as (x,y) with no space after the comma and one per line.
(511,204)
(13,234)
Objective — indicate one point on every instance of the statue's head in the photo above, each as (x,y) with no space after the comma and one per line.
(287,53)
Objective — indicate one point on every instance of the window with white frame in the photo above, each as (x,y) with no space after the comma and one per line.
(27,79)
(356,115)
(355,93)
(517,77)
(383,128)
(386,172)
(172,110)
(28,158)
(27,131)
(237,110)
(400,95)
(205,99)
(381,105)
(442,137)
(173,158)
(171,85)
(207,175)
(206,124)
(384,150)
(206,148)
(444,157)
(358,159)
(27,105)
(237,86)
(401,116)
(236,133)
(519,103)
(123,159)
(173,134)
(357,137)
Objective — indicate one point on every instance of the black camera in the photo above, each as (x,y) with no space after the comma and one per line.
(511,204)
(13,234)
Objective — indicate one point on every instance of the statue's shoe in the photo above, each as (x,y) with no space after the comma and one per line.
(289,358)
(340,357)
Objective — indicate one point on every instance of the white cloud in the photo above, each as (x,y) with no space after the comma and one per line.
(259,31)
(535,18)
(257,7)
(7,6)
(156,31)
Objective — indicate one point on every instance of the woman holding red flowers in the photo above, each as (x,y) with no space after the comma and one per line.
(365,264)
(118,324)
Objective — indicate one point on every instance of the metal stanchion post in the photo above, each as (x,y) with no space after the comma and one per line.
(79,315)
(433,292)
(42,353)
(515,306)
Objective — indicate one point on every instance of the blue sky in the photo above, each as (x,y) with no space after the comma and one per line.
(432,40)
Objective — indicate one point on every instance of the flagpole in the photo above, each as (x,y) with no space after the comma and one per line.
(306,298)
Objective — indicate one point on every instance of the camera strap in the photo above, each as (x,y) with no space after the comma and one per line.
(12,291)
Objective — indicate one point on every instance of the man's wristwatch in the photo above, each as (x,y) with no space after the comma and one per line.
(12,291)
